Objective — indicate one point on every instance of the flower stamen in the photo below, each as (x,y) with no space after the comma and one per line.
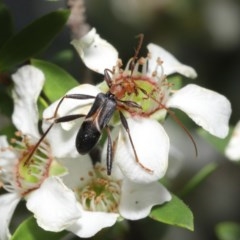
(135,84)
(21,176)
(101,193)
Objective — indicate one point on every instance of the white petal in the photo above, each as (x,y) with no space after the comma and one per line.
(73,106)
(170,63)
(92,222)
(138,199)
(207,108)
(78,171)
(7,153)
(96,53)
(8,203)
(152,147)
(233,148)
(63,142)
(54,205)
(3,141)
(28,83)
(8,162)
(62,135)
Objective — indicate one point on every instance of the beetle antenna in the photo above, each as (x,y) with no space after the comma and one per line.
(176,119)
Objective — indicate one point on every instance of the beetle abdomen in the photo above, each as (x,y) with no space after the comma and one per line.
(87,137)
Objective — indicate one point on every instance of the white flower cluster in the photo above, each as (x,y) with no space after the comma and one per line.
(82,197)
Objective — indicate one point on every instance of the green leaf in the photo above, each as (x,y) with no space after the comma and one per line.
(6,102)
(58,81)
(29,230)
(6,24)
(228,231)
(174,213)
(218,143)
(8,130)
(197,179)
(32,39)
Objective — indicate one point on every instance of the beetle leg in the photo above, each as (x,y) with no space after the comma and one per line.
(57,120)
(109,151)
(125,125)
(68,118)
(71,96)
(107,77)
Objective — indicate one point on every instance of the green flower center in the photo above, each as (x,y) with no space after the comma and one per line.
(101,193)
(32,164)
(150,91)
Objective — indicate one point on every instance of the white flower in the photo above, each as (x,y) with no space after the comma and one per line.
(20,173)
(143,82)
(232,150)
(103,199)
